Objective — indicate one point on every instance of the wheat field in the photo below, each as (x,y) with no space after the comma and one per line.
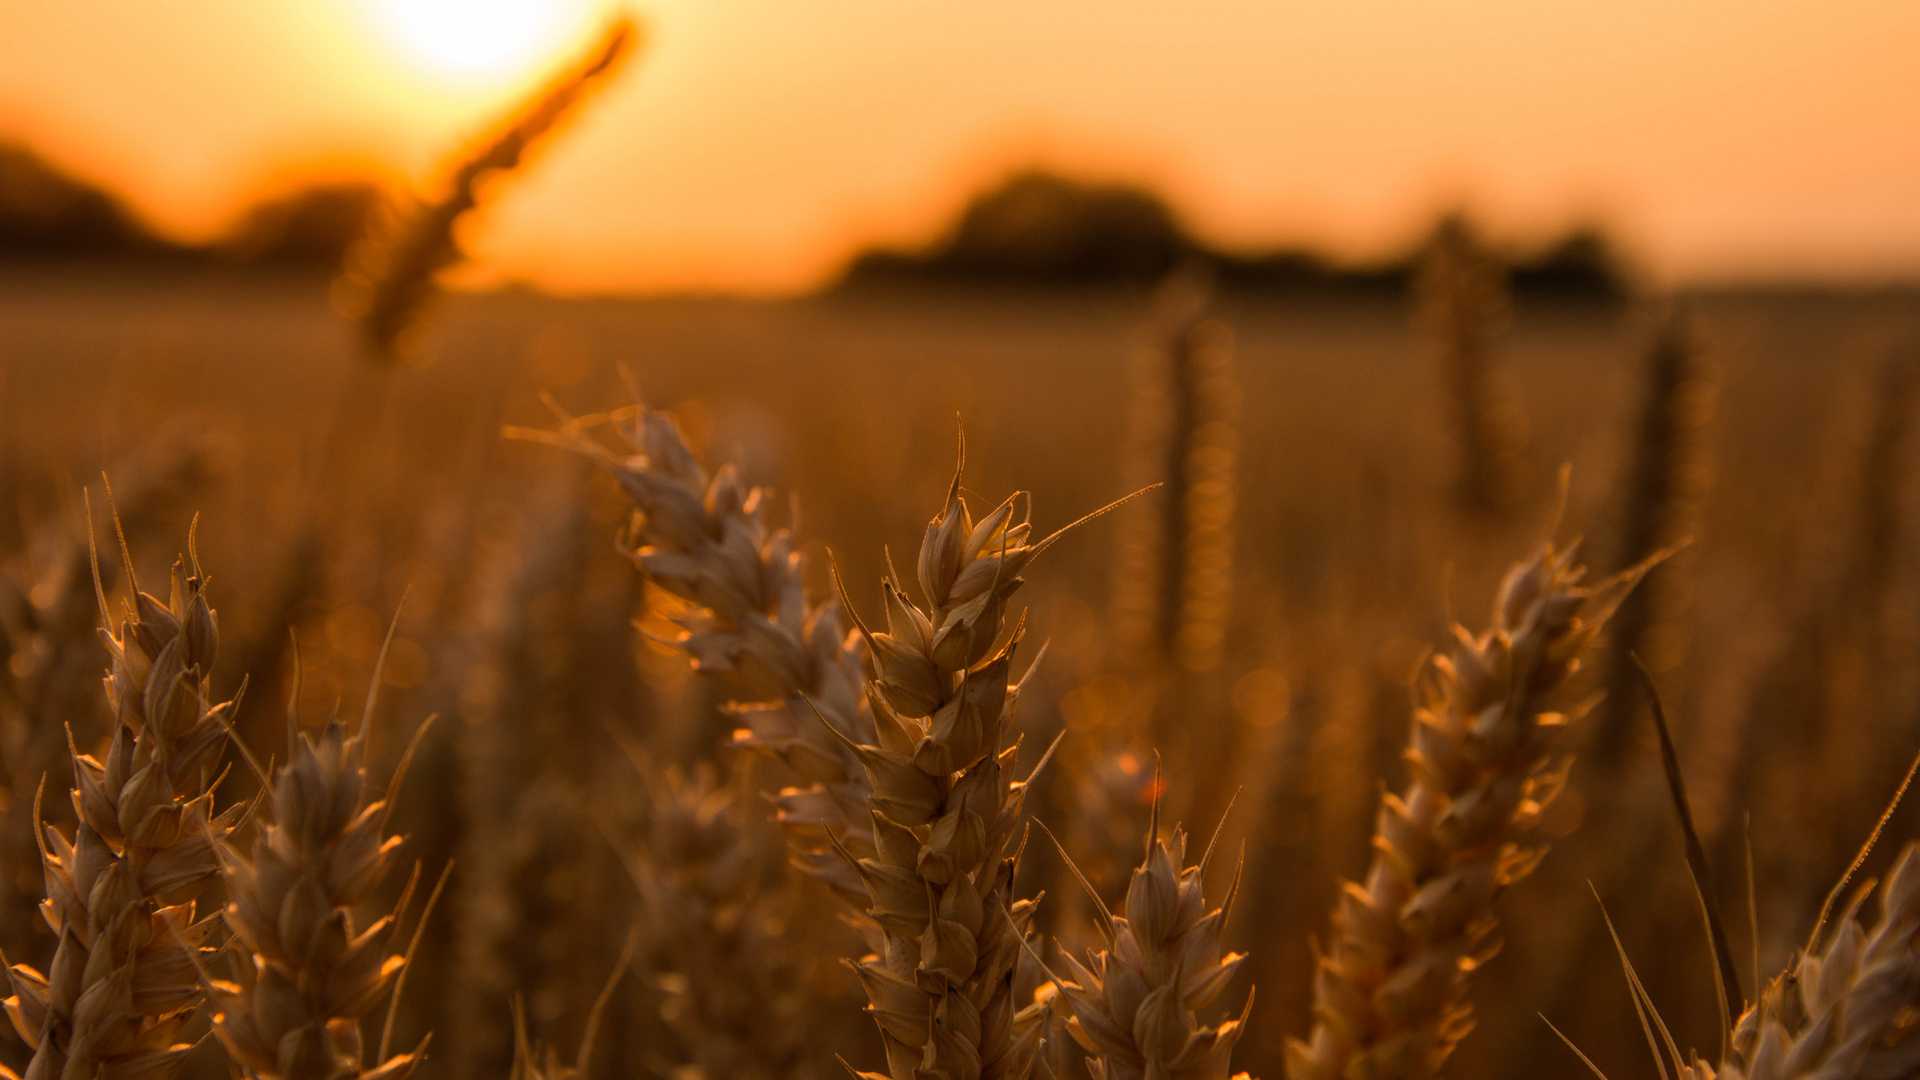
(1262,632)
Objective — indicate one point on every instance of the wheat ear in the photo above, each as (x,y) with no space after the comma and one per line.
(1665,488)
(1462,292)
(120,894)
(706,540)
(945,806)
(1132,1007)
(305,974)
(1390,991)
(389,274)
(1849,1010)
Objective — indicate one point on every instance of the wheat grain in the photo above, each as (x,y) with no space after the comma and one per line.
(1390,991)
(120,895)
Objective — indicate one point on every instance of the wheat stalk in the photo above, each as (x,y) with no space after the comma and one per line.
(1132,1007)
(1173,577)
(1462,293)
(305,974)
(706,540)
(1390,990)
(1667,482)
(539,1061)
(945,806)
(120,895)
(389,274)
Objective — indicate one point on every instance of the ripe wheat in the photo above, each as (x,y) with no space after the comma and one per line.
(1463,296)
(125,980)
(1132,1007)
(706,540)
(1848,1011)
(1390,992)
(305,975)
(945,806)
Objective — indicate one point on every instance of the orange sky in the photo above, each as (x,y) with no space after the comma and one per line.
(758,142)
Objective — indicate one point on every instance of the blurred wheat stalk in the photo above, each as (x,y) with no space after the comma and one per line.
(1462,297)
(389,274)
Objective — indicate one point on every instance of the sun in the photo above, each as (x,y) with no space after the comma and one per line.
(479,40)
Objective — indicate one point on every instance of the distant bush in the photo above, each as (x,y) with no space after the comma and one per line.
(1036,227)
(1581,263)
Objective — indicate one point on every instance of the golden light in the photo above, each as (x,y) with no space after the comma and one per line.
(479,40)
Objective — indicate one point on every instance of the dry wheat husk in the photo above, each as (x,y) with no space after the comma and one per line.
(1132,1006)
(1390,990)
(304,972)
(120,894)
(791,664)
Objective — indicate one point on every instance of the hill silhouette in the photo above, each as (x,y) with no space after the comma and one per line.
(46,214)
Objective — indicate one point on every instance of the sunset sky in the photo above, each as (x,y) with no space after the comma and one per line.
(757,143)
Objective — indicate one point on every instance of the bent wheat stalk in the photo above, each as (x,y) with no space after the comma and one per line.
(1390,991)
(120,894)
(706,540)
(389,274)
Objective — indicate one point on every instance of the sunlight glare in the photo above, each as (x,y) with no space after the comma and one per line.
(479,39)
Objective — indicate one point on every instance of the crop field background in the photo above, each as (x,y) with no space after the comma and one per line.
(1782,639)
